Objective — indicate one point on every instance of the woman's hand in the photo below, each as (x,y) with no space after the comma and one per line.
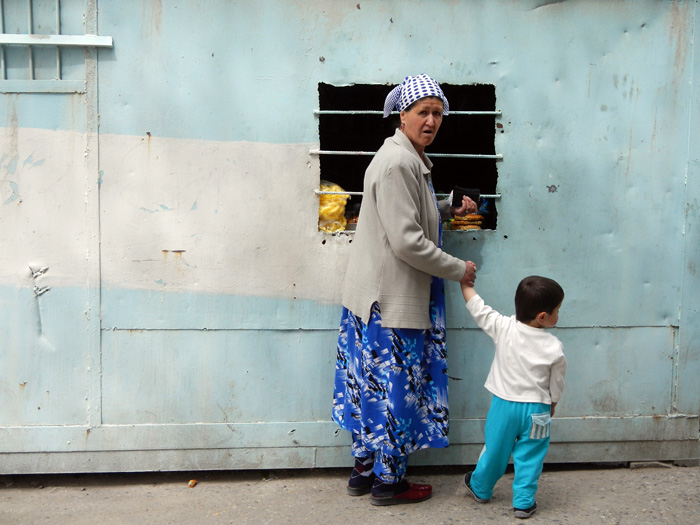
(468,206)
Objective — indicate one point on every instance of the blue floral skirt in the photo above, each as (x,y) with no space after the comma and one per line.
(391,384)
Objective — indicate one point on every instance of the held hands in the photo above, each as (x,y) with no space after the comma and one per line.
(467,282)
(469,276)
(468,206)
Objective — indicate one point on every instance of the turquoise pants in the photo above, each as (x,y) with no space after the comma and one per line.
(520,430)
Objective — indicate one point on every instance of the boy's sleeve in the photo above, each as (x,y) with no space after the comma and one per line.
(486,317)
(556,378)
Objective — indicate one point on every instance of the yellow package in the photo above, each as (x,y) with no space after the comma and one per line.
(331,209)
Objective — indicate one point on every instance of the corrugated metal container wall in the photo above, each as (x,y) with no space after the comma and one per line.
(166,299)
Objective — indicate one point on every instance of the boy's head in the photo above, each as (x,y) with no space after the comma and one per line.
(535,295)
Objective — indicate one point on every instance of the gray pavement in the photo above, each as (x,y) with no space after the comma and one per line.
(605,494)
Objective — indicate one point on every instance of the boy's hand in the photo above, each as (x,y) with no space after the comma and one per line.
(554,406)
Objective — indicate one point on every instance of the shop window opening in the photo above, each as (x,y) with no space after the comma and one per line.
(351,129)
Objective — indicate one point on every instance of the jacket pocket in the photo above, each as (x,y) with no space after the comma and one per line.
(540,425)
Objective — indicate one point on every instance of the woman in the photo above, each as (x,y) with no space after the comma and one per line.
(391,370)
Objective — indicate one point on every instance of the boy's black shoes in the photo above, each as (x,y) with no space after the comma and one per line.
(467,479)
(523,514)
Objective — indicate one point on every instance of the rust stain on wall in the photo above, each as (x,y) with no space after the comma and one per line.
(678,34)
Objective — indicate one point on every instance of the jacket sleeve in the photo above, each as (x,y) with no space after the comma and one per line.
(398,206)
(444,206)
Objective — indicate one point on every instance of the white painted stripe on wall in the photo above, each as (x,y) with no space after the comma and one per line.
(175,215)
(43,206)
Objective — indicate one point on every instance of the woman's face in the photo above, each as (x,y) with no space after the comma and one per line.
(420,123)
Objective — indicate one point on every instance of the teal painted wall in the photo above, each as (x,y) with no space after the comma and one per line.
(191,305)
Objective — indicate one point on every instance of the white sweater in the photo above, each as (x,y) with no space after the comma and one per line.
(529,365)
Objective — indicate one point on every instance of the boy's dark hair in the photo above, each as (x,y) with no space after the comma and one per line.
(536,294)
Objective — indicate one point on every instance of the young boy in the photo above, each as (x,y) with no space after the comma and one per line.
(526,380)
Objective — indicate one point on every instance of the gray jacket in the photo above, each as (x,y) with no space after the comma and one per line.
(394,252)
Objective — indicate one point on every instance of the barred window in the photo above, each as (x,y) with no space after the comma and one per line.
(43,45)
(351,129)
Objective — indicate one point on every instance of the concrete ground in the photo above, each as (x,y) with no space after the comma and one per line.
(604,494)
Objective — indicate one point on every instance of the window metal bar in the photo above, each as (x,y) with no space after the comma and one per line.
(58,32)
(30,31)
(56,40)
(497,156)
(42,86)
(3,74)
(484,196)
(375,112)
(322,192)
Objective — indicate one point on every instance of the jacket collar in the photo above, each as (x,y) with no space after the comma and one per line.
(402,140)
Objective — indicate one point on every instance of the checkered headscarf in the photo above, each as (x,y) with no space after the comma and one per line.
(412,89)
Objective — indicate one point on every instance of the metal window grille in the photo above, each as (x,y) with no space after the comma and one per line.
(318,112)
(33,41)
